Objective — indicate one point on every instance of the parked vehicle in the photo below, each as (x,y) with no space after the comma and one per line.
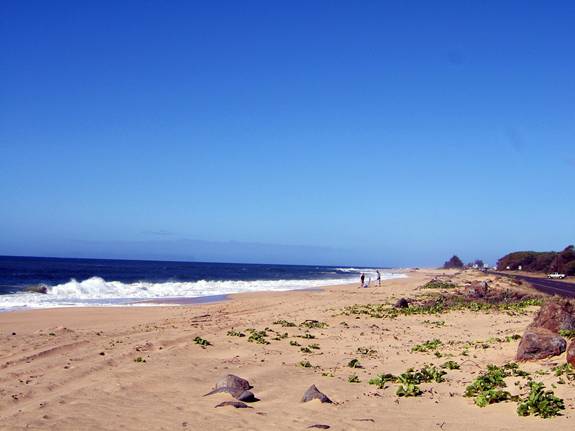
(556,275)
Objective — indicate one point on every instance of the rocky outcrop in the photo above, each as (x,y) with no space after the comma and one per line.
(314,393)
(555,316)
(539,343)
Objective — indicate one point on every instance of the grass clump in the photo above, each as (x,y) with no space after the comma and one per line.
(305,364)
(442,304)
(258,337)
(566,370)
(382,379)
(313,324)
(285,323)
(434,323)
(409,381)
(567,333)
(233,333)
(353,379)
(486,389)
(438,284)
(540,402)
(450,365)
(307,336)
(427,346)
(139,359)
(202,342)
(294,343)
(305,350)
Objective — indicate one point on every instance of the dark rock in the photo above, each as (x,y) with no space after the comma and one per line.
(571,353)
(555,315)
(539,343)
(247,396)
(314,393)
(320,426)
(37,289)
(402,303)
(231,384)
(234,404)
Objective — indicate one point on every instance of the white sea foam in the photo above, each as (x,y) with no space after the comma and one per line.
(96,291)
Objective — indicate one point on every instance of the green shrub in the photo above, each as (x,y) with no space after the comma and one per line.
(353,378)
(427,346)
(408,390)
(382,379)
(202,342)
(233,333)
(540,402)
(284,323)
(313,324)
(567,333)
(450,365)
(258,337)
(566,370)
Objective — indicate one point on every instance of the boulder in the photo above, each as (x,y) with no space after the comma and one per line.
(571,353)
(539,343)
(477,289)
(402,303)
(231,384)
(555,315)
(314,393)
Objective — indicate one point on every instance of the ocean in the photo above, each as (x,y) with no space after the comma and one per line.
(102,282)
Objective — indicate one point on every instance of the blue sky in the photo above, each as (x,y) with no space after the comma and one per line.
(361,133)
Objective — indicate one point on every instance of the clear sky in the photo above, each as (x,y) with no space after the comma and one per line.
(321,132)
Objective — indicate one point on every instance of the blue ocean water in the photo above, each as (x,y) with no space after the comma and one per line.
(82,282)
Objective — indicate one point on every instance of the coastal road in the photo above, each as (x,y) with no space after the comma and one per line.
(551,287)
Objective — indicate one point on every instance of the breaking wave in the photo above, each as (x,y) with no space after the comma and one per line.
(96,291)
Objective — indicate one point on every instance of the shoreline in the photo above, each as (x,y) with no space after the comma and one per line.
(187,300)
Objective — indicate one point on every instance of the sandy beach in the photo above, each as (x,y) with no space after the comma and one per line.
(140,368)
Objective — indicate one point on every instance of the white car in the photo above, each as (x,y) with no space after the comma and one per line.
(555,275)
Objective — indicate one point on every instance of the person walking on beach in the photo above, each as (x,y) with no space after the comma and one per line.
(362,278)
(378,278)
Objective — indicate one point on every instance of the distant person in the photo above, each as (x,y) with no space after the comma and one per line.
(368,283)
(378,278)
(362,278)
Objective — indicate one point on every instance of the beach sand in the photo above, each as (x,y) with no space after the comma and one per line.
(76,369)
